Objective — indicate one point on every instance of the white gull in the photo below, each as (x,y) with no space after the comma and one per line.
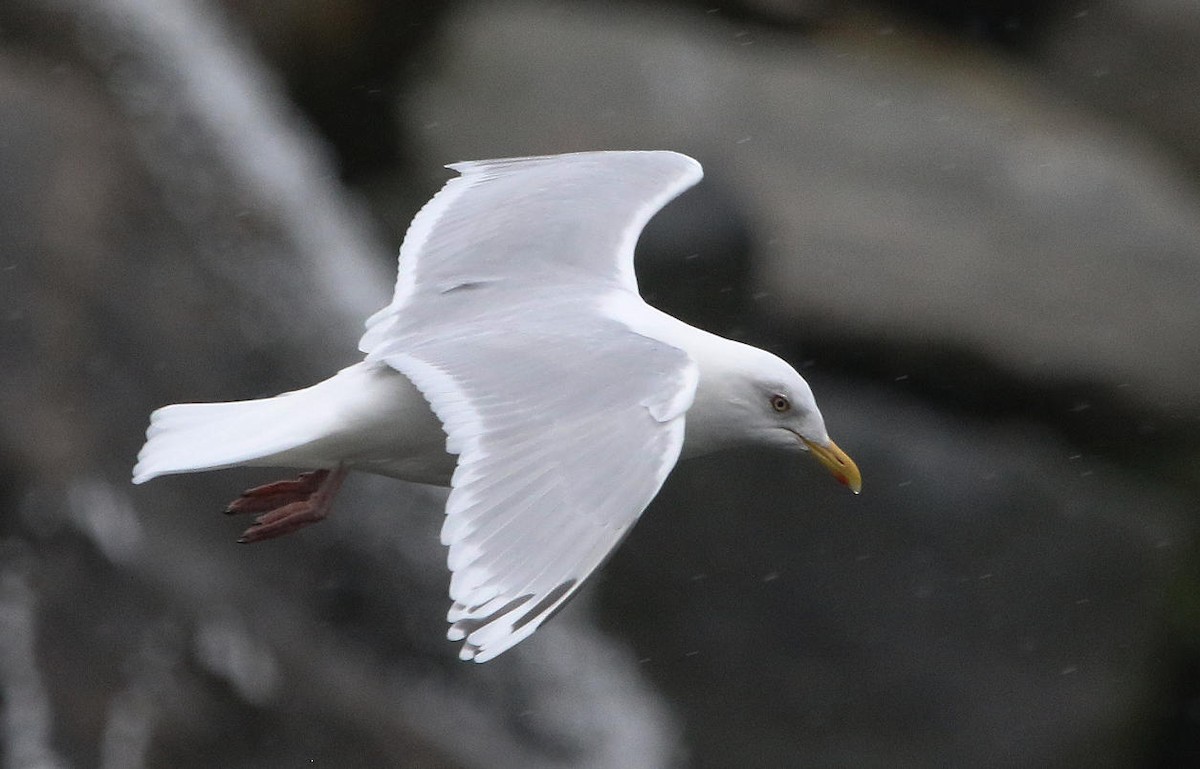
(518,365)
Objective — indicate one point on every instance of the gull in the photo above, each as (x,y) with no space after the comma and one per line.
(518,365)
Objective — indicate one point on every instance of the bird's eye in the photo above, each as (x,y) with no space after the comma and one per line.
(780,403)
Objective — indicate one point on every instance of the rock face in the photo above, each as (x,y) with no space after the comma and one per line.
(993,291)
(1134,62)
(897,191)
(173,232)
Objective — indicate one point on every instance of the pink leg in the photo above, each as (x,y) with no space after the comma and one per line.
(288,505)
(267,497)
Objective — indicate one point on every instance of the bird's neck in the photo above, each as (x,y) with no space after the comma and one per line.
(714,420)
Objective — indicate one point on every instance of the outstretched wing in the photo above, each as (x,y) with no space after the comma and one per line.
(566,421)
(525,227)
(562,441)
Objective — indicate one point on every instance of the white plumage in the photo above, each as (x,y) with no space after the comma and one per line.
(517,364)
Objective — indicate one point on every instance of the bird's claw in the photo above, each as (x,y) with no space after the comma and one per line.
(271,496)
(286,506)
(284,520)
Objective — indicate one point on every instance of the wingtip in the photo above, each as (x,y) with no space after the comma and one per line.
(689,161)
(468,167)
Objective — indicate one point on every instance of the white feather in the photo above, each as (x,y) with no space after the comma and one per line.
(367,416)
(516,321)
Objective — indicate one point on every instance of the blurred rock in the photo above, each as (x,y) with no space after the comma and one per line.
(342,63)
(781,12)
(1136,62)
(172,231)
(992,599)
(999,596)
(896,190)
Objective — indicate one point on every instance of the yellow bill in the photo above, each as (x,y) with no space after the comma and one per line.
(838,463)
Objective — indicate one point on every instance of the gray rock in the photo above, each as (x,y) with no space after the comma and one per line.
(997,596)
(1133,61)
(992,599)
(173,232)
(896,189)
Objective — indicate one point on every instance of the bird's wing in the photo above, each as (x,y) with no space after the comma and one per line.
(566,423)
(565,420)
(522,227)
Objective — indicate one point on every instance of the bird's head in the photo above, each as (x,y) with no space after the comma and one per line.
(778,409)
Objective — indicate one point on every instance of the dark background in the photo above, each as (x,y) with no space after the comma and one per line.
(974,227)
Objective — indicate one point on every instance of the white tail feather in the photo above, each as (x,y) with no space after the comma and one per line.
(189,437)
(368,416)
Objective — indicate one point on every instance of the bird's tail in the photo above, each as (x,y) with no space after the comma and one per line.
(189,437)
